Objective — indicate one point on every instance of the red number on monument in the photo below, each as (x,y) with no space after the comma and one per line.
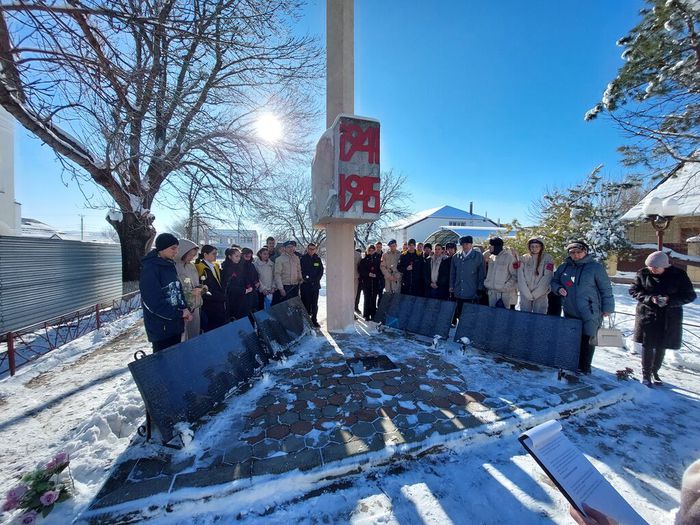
(353,139)
(361,189)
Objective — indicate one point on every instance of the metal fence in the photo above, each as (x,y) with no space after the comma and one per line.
(44,278)
(24,345)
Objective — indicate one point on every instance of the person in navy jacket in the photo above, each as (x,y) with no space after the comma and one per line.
(164,305)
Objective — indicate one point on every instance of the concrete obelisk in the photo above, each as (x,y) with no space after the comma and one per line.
(340,98)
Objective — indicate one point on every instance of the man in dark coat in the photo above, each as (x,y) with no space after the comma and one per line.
(661,290)
(411,268)
(311,272)
(467,274)
(382,283)
(369,269)
(164,305)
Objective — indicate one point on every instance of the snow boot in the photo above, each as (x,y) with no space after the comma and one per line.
(657,379)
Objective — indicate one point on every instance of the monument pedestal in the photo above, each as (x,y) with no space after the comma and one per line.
(340,259)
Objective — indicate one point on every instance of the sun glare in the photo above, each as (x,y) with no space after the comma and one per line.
(269,127)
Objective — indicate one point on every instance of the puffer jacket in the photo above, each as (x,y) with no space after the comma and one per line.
(502,275)
(161,297)
(467,275)
(533,279)
(589,292)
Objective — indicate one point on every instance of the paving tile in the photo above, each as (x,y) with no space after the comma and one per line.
(301,427)
(289,417)
(213,476)
(303,460)
(335,452)
(237,454)
(278,431)
(178,466)
(363,429)
(292,443)
(265,448)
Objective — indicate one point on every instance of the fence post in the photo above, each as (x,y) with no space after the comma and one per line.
(97,316)
(11,352)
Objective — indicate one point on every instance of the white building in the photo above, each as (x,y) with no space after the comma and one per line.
(438,224)
(10,212)
(223,238)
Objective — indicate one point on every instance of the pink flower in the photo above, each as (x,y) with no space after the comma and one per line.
(29,518)
(17,493)
(49,497)
(10,504)
(59,459)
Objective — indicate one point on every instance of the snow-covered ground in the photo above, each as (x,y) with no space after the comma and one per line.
(81,399)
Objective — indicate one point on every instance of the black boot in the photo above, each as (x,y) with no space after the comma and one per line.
(657,379)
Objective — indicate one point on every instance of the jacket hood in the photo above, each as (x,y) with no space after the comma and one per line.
(529,241)
(152,258)
(185,246)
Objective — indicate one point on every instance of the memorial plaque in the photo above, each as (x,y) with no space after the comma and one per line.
(184,382)
(282,325)
(544,339)
(420,315)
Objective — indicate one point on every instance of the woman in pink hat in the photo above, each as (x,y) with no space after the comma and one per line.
(661,290)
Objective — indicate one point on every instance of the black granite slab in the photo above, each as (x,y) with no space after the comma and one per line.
(544,339)
(420,315)
(282,325)
(186,381)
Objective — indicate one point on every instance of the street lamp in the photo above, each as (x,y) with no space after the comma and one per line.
(660,213)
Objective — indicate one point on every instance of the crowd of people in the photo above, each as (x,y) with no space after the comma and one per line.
(185,291)
(501,278)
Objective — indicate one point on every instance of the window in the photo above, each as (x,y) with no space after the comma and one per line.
(458,223)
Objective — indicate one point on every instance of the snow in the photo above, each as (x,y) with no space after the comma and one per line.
(671,253)
(81,399)
(683,184)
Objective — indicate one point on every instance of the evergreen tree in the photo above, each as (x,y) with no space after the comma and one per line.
(655,97)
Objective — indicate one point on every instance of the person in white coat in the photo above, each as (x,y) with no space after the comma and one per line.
(501,275)
(534,275)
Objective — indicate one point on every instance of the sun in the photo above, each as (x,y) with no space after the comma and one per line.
(269,127)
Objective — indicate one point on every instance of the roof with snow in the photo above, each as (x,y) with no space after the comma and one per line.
(441,212)
(683,183)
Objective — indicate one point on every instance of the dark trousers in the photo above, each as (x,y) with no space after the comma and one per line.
(213,317)
(309,296)
(370,305)
(585,357)
(380,291)
(357,294)
(292,290)
(166,343)
(458,310)
(652,359)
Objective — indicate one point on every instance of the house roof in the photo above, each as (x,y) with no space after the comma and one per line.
(683,183)
(441,212)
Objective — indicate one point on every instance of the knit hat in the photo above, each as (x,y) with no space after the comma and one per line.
(411,241)
(467,239)
(496,241)
(392,241)
(657,260)
(577,245)
(165,241)
(427,245)
(450,245)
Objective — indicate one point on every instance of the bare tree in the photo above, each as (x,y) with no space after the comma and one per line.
(131,94)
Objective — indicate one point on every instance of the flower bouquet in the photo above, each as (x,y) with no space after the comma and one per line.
(39,490)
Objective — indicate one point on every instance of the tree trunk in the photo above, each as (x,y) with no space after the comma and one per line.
(135,237)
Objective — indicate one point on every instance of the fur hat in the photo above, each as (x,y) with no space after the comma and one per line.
(657,260)
(467,239)
(496,241)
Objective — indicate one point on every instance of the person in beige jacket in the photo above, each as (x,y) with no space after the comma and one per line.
(189,279)
(388,266)
(287,274)
(502,274)
(534,275)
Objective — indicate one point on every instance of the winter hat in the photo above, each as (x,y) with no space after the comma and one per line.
(451,245)
(427,245)
(496,241)
(392,241)
(533,240)
(467,239)
(165,241)
(657,260)
(577,245)
(411,241)
(290,243)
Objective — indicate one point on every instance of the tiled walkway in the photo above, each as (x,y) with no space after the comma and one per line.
(326,409)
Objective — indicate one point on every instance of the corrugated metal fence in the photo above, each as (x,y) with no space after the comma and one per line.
(44,278)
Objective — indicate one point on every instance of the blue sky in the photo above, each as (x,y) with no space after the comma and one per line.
(479,101)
